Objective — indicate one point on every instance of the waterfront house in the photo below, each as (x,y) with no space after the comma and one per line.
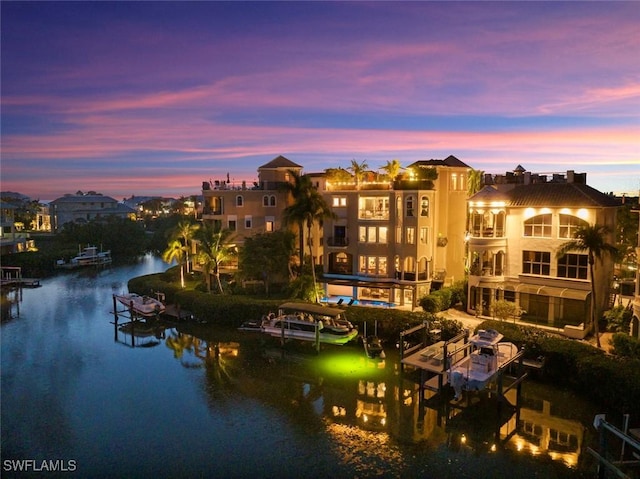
(82,208)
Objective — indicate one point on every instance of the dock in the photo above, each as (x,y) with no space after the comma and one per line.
(11,276)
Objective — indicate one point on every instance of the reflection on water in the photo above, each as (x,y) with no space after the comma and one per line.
(167,400)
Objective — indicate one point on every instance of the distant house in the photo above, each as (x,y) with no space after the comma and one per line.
(81,209)
(11,241)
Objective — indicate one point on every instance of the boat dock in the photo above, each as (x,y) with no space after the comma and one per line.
(436,361)
(12,276)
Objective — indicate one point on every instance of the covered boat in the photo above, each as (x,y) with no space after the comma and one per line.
(310,322)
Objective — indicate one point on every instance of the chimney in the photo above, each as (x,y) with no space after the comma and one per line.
(527,177)
(570,176)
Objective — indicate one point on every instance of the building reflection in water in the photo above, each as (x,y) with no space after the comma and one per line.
(373,401)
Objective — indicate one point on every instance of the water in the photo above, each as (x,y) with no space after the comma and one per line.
(204,402)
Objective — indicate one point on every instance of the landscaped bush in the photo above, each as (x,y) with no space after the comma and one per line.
(626,346)
(444,298)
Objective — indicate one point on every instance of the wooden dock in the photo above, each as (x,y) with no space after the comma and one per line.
(11,276)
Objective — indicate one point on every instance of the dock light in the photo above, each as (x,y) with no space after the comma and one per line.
(463,439)
(493,448)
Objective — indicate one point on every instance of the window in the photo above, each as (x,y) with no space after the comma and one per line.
(269,224)
(457,182)
(376,265)
(411,235)
(268,200)
(339,201)
(373,208)
(536,262)
(424,235)
(409,206)
(239,200)
(568,226)
(272,200)
(573,266)
(398,235)
(232,222)
(538,226)
(372,234)
(424,206)
(248,222)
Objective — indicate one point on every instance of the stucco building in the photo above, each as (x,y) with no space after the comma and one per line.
(517,224)
(82,208)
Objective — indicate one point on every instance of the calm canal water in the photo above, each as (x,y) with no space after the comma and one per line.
(206,402)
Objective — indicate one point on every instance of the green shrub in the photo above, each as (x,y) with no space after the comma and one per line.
(626,346)
(430,304)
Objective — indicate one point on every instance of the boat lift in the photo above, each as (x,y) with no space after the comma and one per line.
(435,361)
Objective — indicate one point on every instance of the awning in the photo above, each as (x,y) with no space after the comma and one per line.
(554,292)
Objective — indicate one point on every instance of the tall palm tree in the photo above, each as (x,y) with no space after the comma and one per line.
(175,252)
(392,168)
(358,170)
(590,238)
(185,231)
(215,249)
(308,207)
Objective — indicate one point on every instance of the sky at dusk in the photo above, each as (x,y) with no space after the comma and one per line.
(154,98)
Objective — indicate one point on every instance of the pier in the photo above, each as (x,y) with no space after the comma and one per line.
(12,276)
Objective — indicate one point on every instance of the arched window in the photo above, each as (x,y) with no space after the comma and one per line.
(569,224)
(265,200)
(424,206)
(538,226)
(239,200)
(409,206)
(272,200)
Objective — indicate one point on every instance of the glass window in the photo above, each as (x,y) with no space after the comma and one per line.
(573,266)
(372,236)
(362,234)
(424,206)
(265,200)
(536,262)
(382,234)
(568,226)
(272,200)
(409,206)
(339,201)
(411,235)
(248,222)
(239,200)
(424,235)
(538,226)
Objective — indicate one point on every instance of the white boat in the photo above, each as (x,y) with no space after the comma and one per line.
(310,322)
(89,256)
(476,370)
(141,305)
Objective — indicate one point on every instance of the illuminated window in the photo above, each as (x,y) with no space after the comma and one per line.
(569,225)
(269,224)
(411,235)
(538,226)
(536,262)
(339,201)
(424,232)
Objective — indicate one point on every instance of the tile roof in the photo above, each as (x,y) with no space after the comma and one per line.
(559,194)
(85,199)
(280,162)
(450,160)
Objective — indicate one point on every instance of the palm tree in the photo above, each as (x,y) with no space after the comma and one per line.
(358,170)
(392,168)
(175,252)
(590,238)
(215,249)
(308,207)
(185,230)
(474,181)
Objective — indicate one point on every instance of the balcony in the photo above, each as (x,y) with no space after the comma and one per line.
(337,241)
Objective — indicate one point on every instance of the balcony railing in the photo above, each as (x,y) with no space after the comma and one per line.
(337,241)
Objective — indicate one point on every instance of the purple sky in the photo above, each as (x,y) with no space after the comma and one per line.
(154,98)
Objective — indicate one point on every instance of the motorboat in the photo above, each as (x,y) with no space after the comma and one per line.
(488,355)
(372,344)
(309,322)
(89,256)
(141,305)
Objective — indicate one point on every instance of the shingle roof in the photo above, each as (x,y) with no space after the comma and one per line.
(489,194)
(85,199)
(559,194)
(281,162)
